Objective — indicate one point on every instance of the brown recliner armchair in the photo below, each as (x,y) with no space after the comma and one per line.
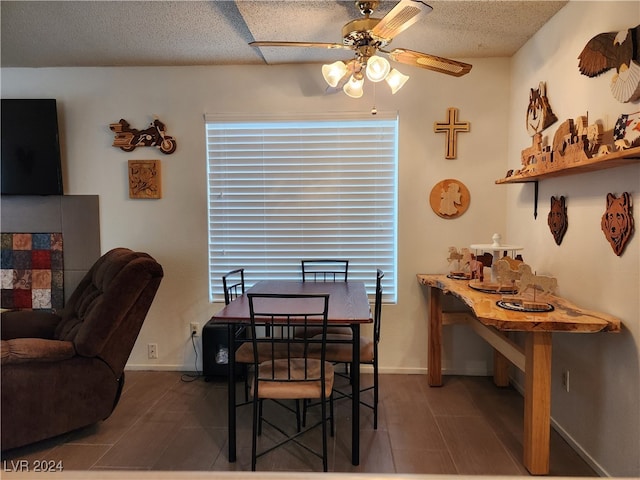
(62,371)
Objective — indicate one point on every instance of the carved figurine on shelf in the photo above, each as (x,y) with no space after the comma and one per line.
(539,113)
(462,258)
(458,256)
(520,281)
(127,138)
(557,218)
(578,144)
(626,133)
(514,263)
(506,274)
(486,258)
(575,142)
(537,157)
(562,136)
(528,279)
(593,134)
(617,221)
(528,154)
(476,268)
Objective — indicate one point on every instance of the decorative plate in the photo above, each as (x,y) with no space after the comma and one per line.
(519,308)
(457,277)
(492,288)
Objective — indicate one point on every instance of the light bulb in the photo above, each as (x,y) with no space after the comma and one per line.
(353,87)
(377,68)
(333,72)
(396,80)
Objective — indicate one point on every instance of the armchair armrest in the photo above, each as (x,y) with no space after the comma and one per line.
(28,324)
(22,350)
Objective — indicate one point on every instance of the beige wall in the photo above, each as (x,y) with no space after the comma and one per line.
(492,98)
(601,412)
(174,228)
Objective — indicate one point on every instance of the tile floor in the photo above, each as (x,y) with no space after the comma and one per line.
(173,421)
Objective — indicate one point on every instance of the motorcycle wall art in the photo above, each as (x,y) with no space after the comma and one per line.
(128,138)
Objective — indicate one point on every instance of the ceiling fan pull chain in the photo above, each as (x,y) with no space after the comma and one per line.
(374,110)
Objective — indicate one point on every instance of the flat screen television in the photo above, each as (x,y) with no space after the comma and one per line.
(31,163)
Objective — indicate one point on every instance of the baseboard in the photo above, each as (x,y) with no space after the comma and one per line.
(363,368)
(158,367)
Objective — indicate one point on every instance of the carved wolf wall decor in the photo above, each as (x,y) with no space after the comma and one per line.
(617,221)
(557,219)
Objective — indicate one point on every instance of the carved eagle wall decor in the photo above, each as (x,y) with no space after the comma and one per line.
(619,50)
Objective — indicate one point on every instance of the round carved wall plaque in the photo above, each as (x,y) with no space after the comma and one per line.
(449,198)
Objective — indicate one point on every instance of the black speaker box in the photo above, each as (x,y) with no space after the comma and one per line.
(215,351)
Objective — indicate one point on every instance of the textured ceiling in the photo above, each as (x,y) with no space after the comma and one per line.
(132,33)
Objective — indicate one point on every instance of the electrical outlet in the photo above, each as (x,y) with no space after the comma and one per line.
(565,380)
(195,328)
(152,350)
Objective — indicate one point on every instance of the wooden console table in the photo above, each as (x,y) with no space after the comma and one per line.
(491,322)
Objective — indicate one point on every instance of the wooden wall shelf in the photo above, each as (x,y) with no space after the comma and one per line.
(611,160)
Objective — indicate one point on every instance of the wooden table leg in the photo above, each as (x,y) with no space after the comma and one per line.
(435,337)
(500,369)
(537,402)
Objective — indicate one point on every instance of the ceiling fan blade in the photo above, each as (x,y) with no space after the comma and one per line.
(401,17)
(430,62)
(297,44)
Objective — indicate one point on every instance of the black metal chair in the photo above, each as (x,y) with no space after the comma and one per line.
(233,284)
(287,371)
(233,287)
(324,270)
(342,352)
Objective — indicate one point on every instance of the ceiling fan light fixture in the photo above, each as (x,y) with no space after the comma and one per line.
(333,72)
(377,68)
(368,37)
(353,87)
(396,80)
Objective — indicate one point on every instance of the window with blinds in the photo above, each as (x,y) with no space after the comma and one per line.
(283,190)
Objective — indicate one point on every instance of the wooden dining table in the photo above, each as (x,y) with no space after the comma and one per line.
(348,307)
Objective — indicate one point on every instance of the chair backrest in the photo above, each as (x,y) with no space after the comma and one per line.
(106,310)
(233,284)
(297,357)
(324,270)
(377,309)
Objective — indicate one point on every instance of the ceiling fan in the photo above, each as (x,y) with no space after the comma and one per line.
(368,37)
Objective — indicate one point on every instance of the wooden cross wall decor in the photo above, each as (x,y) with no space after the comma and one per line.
(451,127)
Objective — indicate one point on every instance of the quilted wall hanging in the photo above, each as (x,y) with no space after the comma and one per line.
(32,271)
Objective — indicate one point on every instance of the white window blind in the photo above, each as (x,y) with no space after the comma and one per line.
(285,190)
